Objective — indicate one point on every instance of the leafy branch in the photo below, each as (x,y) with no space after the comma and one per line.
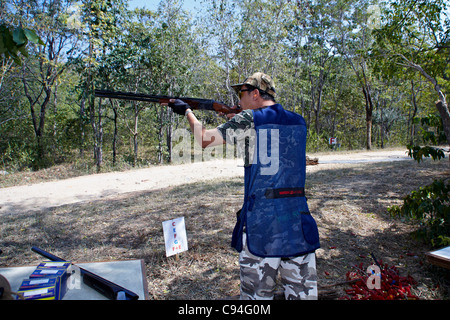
(14,42)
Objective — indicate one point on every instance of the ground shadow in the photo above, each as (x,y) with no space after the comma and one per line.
(349,204)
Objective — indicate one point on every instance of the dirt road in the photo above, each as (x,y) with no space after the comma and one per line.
(108,185)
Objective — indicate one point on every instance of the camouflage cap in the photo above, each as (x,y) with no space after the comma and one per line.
(260,81)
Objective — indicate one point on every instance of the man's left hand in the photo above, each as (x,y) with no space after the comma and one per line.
(178,106)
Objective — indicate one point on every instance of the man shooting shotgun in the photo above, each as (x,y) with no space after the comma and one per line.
(275,231)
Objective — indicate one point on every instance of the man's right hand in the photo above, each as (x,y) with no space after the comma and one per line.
(230,115)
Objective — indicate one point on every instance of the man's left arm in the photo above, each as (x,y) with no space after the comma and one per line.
(206,137)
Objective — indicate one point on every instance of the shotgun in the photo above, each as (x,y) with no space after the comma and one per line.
(194,103)
(109,289)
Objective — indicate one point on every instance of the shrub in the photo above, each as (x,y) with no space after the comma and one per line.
(430,208)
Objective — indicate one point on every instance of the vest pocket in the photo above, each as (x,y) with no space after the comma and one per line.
(309,227)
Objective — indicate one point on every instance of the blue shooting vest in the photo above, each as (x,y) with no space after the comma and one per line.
(275,215)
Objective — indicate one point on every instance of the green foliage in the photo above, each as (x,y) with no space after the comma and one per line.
(17,156)
(432,132)
(318,52)
(430,205)
(13,42)
(316,143)
(436,136)
(430,208)
(418,152)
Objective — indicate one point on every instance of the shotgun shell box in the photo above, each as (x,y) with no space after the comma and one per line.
(55,264)
(41,289)
(36,283)
(44,293)
(44,271)
(53,276)
(51,269)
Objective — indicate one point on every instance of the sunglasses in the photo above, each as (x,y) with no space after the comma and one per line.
(241,92)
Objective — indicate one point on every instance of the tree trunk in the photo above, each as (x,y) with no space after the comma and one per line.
(135,136)
(114,107)
(445,115)
(169,134)
(414,112)
(369,118)
(160,135)
(37,120)
(82,112)
(100,137)
(382,127)
(94,126)
(441,105)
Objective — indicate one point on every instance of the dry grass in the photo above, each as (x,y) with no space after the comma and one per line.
(348,201)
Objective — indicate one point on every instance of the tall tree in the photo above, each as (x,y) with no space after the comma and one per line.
(354,43)
(221,22)
(45,65)
(102,25)
(177,50)
(318,53)
(417,36)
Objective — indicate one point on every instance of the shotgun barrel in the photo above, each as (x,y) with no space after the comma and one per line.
(194,103)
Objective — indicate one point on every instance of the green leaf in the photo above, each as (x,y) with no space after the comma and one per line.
(2,45)
(19,36)
(32,36)
(23,51)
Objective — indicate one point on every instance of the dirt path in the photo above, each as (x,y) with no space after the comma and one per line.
(119,216)
(108,185)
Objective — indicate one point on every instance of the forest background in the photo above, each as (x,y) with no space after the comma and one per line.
(365,72)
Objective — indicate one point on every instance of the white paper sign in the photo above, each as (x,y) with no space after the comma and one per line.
(175,236)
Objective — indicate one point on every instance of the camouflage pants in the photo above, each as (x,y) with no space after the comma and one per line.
(258,276)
